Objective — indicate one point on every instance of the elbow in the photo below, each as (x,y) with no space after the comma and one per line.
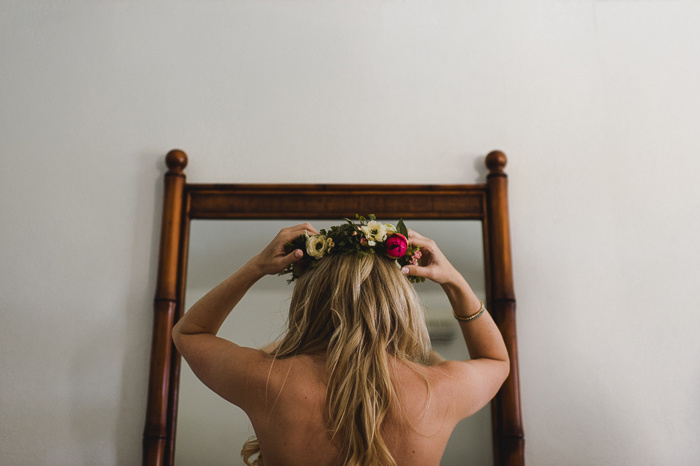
(176,337)
(185,342)
(505,368)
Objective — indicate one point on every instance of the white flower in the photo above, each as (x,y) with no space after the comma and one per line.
(374,231)
(316,246)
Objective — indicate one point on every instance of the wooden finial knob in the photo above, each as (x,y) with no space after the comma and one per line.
(176,160)
(496,162)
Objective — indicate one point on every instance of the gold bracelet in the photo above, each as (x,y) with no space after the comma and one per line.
(471,317)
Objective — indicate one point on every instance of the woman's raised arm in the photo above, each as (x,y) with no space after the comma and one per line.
(195,333)
(489,365)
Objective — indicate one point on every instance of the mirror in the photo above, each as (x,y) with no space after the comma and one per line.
(255,206)
(210,430)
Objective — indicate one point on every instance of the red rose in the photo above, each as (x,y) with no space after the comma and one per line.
(396,245)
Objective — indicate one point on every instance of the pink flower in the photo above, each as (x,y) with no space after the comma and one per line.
(416,255)
(396,245)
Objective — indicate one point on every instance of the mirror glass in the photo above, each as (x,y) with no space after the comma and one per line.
(212,431)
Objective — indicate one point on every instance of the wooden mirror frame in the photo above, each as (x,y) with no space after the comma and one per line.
(183,202)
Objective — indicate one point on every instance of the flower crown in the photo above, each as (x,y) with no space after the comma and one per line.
(362,238)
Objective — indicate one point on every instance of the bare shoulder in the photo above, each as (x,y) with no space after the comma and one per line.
(225,367)
(470,384)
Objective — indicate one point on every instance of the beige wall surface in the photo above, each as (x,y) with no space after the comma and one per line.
(596,103)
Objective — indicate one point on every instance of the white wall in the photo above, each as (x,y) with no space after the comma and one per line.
(597,105)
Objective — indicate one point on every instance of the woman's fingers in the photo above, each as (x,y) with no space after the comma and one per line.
(291,233)
(416,271)
(433,264)
(426,246)
(290,258)
(413,235)
(419,240)
(296,231)
(274,258)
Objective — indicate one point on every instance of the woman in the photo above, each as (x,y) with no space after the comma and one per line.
(352,380)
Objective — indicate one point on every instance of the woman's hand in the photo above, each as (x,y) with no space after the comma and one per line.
(273,259)
(433,264)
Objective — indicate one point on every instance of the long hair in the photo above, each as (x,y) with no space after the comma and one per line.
(360,312)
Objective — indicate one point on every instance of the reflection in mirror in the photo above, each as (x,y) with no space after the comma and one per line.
(212,431)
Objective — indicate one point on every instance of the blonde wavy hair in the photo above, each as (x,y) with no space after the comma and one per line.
(359,312)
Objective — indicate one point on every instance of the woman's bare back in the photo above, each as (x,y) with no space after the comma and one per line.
(291,427)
